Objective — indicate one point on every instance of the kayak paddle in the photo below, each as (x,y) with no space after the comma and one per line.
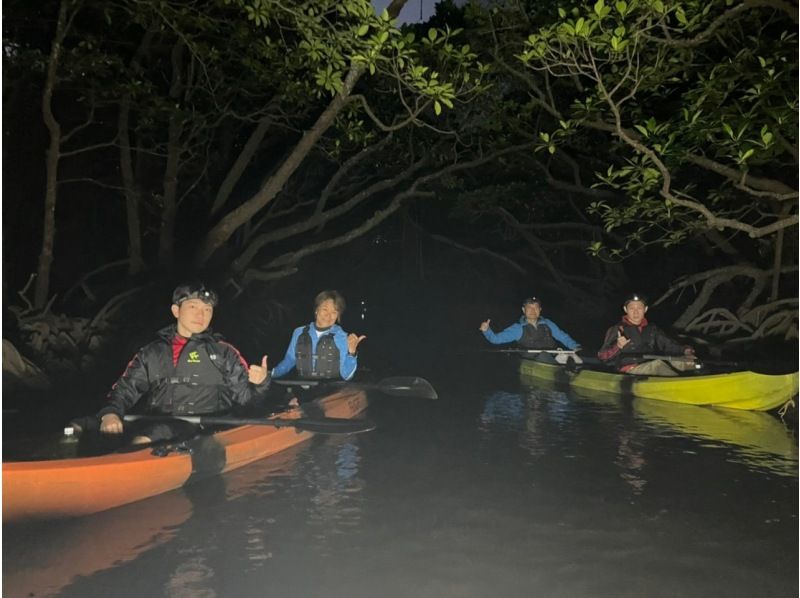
(554,351)
(322,425)
(410,387)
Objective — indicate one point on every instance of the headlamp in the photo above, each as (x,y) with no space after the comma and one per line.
(196,291)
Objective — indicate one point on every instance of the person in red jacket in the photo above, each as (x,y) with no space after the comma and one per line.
(187,370)
(628,341)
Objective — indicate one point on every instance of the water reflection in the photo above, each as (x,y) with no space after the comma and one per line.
(522,410)
(42,558)
(754,438)
(541,416)
(759,440)
(190,580)
(505,409)
(335,507)
(630,459)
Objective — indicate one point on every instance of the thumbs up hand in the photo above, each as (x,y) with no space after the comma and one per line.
(258,373)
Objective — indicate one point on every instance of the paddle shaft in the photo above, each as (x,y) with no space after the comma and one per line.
(324,425)
(553,351)
(412,387)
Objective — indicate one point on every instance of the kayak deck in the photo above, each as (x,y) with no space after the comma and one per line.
(82,486)
(736,390)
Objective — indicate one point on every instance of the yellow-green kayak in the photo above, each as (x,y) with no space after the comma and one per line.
(736,390)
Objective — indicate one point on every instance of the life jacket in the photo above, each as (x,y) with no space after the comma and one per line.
(195,385)
(537,337)
(322,364)
(641,341)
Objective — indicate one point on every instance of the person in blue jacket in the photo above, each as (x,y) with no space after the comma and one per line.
(531,331)
(321,349)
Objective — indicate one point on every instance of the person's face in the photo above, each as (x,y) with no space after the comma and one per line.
(636,311)
(193,316)
(326,314)
(532,311)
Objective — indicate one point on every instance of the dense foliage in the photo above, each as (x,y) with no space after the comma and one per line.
(572,139)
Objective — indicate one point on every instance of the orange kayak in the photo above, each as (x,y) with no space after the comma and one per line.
(82,486)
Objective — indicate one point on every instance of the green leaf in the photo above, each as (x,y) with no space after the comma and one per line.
(432,34)
(598,7)
(728,129)
(437,108)
(362,31)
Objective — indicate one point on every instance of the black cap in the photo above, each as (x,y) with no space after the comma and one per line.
(635,297)
(532,300)
(194,291)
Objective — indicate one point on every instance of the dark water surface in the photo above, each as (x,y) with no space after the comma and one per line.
(496,490)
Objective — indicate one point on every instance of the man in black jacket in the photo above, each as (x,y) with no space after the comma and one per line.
(626,343)
(187,370)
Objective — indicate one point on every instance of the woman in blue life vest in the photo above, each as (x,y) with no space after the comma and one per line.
(532,332)
(321,349)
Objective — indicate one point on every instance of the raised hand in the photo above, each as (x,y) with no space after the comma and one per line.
(484,326)
(256,374)
(352,342)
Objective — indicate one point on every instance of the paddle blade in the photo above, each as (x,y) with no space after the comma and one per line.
(407,387)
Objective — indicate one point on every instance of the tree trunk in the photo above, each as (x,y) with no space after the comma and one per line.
(169,208)
(53,155)
(223,230)
(242,160)
(132,194)
(777,261)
